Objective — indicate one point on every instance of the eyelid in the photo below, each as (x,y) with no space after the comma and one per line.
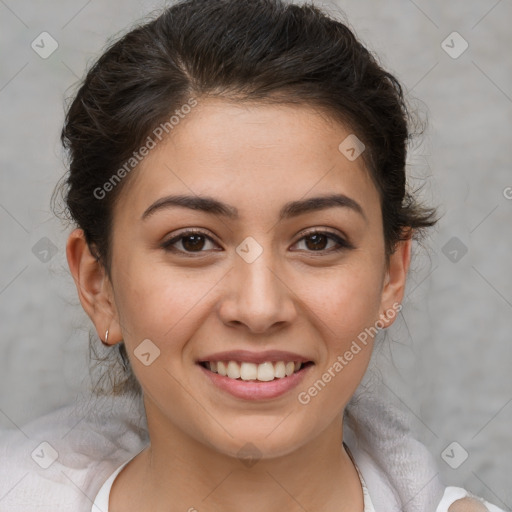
(322,230)
(190,231)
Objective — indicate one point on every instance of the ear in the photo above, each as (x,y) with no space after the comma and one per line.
(394,281)
(93,286)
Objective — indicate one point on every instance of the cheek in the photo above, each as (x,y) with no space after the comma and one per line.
(346,306)
(346,301)
(157,301)
(164,306)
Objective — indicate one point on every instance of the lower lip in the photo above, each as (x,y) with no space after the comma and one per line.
(256,390)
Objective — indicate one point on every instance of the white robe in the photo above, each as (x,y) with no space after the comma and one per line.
(60,461)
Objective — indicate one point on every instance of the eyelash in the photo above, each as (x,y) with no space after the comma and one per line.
(342,243)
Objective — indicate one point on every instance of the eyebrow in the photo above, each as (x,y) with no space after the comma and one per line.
(291,209)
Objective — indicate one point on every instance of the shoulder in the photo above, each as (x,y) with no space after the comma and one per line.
(457,499)
(60,460)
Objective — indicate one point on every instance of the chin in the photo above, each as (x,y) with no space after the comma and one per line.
(252,444)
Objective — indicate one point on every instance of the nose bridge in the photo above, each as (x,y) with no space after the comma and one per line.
(259,281)
(258,298)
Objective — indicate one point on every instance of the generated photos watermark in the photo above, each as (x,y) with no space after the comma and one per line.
(342,361)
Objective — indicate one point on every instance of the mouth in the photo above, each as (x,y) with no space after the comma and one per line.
(266,371)
(255,376)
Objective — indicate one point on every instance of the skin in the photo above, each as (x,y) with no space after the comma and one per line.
(468,505)
(256,158)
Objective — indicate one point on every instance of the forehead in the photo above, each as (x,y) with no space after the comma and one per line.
(250,154)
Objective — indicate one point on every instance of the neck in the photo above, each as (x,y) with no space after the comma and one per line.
(181,473)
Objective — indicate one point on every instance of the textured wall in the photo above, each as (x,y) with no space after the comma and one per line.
(448,360)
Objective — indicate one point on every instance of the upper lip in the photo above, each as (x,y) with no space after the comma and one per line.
(255,357)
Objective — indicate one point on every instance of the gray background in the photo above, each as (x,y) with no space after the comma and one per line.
(447,361)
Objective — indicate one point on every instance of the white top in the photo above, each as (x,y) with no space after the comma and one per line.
(101,502)
(67,458)
(451,494)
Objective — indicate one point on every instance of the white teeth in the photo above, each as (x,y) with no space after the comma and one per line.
(248,371)
(264,372)
(221,368)
(233,370)
(280,370)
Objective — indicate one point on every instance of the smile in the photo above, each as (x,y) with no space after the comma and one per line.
(246,371)
(249,381)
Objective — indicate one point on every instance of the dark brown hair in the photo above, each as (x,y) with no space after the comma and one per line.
(241,50)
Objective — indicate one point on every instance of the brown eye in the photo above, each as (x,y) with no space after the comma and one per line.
(193,242)
(188,242)
(318,241)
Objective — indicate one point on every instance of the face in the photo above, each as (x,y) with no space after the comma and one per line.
(285,262)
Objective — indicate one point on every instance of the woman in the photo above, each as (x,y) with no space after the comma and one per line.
(244,231)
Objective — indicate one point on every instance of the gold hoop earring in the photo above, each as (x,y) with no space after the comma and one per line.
(106,339)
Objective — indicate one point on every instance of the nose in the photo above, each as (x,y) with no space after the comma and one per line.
(257,296)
